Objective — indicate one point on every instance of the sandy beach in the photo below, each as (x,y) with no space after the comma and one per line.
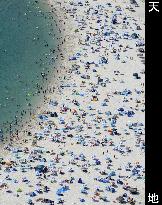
(86,143)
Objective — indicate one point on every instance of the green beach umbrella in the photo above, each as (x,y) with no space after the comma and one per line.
(19,190)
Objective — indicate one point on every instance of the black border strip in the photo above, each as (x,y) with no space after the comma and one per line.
(153,100)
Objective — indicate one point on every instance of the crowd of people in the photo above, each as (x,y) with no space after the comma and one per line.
(86,143)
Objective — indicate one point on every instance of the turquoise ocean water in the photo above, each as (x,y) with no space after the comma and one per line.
(27,41)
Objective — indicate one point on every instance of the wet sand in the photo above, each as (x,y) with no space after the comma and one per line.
(28,47)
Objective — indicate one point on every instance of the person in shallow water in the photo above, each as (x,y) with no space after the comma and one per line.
(49,21)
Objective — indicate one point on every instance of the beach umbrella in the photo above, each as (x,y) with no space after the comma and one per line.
(19,190)
(112,189)
(32,194)
(97,162)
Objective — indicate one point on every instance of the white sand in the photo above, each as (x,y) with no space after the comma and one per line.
(92,131)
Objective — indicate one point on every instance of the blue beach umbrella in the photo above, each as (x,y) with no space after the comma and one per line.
(59,192)
(43,117)
(130,113)
(32,194)
(107,34)
(82,200)
(62,190)
(103,180)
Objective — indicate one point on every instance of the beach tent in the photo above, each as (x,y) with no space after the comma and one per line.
(80,181)
(112,173)
(103,60)
(134,35)
(40,168)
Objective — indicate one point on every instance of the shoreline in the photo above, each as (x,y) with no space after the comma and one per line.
(38,107)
